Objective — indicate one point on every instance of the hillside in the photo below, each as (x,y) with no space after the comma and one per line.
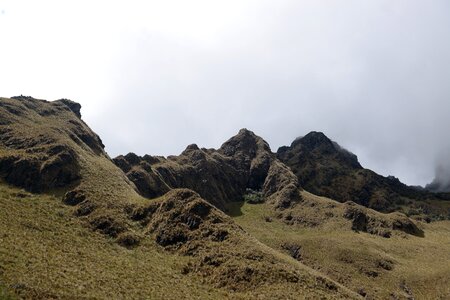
(402,266)
(80,208)
(326,169)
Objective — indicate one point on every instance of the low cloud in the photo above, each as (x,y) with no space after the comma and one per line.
(153,78)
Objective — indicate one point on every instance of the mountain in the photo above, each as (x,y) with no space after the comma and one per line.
(236,222)
(326,169)
(243,166)
(83,225)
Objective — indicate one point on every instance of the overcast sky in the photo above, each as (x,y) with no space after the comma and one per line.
(155,76)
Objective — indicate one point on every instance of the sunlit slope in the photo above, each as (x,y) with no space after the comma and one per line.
(402,265)
(46,252)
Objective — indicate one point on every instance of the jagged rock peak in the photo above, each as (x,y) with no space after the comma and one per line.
(192,147)
(318,142)
(313,140)
(245,141)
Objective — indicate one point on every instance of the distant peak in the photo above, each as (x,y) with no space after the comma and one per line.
(318,142)
(192,147)
(313,139)
(246,141)
(246,131)
(316,135)
(245,135)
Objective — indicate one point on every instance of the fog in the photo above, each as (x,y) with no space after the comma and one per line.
(155,76)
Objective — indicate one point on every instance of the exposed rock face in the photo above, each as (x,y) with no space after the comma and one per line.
(250,154)
(219,176)
(379,224)
(324,168)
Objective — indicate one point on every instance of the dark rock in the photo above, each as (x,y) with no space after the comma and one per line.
(73,106)
(107,225)
(149,184)
(326,169)
(358,217)
(171,237)
(128,240)
(379,224)
(122,163)
(294,250)
(406,225)
(85,208)
(74,197)
(41,173)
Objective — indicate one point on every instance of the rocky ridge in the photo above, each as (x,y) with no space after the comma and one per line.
(243,164)
(326,169)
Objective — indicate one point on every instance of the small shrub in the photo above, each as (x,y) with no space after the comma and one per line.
(253,197)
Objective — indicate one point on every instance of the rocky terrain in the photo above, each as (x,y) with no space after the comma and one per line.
(241,166)
(191,223)
(326,169)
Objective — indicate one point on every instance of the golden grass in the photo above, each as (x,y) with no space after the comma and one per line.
(45,252)
(360,261)
(48,253)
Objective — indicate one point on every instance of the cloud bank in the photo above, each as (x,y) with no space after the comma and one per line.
(155,76)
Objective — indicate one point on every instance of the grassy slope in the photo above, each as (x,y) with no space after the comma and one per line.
(47,253)
(360,260)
